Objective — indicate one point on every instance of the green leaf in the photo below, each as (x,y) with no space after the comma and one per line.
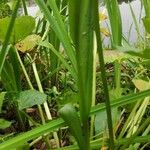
(23,26)
(70,116)
(28,43)
(4,123)
(30,98)
(101,120)
(2,95)
(141,84)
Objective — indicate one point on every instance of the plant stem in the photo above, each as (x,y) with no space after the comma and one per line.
(103,74)
(49,116)
(118,77)
(30,85)
(24,7)
(94,86)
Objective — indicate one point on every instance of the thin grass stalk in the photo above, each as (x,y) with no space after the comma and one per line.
(128,121)
(48,114)
(94,85)
(4,50)
(137,139)
(118,77)
(140,129)
(24,7)
(30,85)
(146,132)
(103,75)
(138,117)
(136,24)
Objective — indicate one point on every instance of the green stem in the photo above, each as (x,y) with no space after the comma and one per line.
(94,87)
(49,116)
(30,85)
(103,74)
(24,7)
(118,78)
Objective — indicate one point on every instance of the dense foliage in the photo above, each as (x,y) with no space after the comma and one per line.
(61,87)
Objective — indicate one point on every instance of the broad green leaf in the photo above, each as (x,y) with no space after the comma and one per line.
(70,116)
(2,95)
(28,43)
(141,84)
(4,123)
(101,117)
(23,26)
(101,120)
(30,98)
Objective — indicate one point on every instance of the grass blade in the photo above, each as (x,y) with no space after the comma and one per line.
(103,74)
